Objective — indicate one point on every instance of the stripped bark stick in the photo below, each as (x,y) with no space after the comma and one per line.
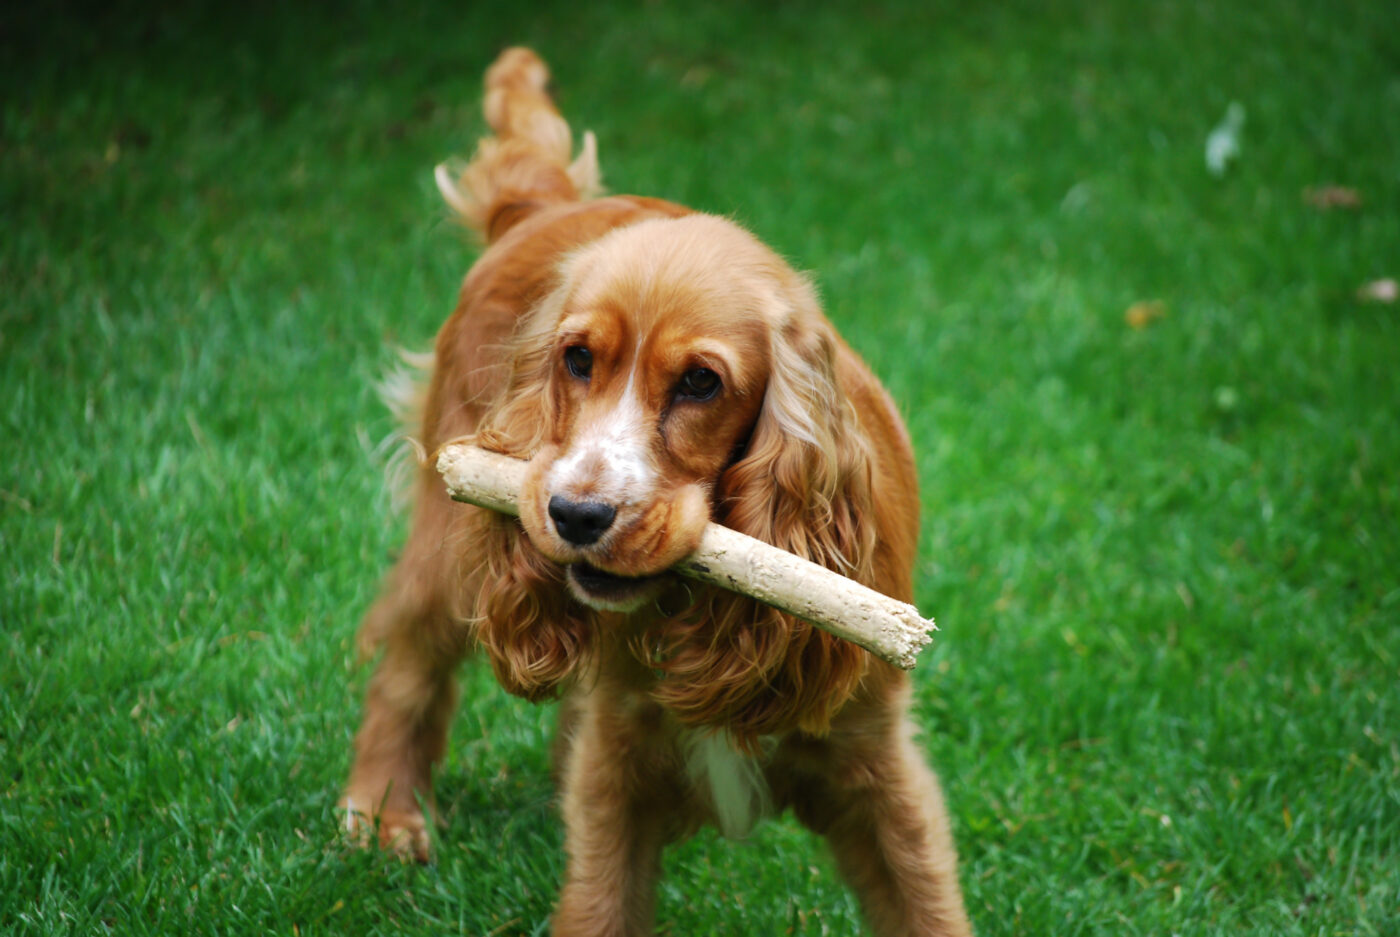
(891,630)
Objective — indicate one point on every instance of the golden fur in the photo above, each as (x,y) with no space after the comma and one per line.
(659,368)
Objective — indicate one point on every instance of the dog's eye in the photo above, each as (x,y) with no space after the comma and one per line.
(698,384)
(579,361)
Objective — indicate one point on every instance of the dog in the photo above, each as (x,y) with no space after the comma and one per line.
(659,368)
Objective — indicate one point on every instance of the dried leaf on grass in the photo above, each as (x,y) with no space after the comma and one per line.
(1327,197)
(1142,314)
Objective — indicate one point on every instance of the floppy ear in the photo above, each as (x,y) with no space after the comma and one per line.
(524,415)
(802,484)
(535,636)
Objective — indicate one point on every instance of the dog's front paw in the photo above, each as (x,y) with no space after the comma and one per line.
(402,832)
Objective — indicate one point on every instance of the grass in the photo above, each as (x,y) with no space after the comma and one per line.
(1166,561)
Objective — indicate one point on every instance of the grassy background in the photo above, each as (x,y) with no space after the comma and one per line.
(1166,560)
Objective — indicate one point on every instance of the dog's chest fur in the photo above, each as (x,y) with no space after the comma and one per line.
(731,781)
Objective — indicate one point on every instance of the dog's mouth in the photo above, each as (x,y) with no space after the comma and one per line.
(609,591)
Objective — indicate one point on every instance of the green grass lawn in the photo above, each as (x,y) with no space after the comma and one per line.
(1166,560)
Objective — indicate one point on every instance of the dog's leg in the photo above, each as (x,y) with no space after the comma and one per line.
(413,692)
(883,815)
(403,733)
(615,826)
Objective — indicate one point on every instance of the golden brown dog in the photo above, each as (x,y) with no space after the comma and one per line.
(659,368)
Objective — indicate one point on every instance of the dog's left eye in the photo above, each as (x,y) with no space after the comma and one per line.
(698,384)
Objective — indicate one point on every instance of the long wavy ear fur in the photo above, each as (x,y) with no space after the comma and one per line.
(522,417)
(803,484)
(535,635)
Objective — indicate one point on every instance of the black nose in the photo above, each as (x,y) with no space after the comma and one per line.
(580,522)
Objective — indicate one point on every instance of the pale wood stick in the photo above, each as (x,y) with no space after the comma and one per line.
(891,630)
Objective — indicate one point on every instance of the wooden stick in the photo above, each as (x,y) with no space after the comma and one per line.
(891,630)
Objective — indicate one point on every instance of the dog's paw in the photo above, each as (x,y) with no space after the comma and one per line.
(401,832)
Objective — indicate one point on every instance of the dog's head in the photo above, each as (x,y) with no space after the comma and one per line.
(659,359)
(679,373)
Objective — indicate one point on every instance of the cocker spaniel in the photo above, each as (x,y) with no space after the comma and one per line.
(660,369)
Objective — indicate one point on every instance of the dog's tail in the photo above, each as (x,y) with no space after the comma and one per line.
(526,166)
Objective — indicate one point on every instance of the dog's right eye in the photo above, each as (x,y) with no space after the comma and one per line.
(579,361)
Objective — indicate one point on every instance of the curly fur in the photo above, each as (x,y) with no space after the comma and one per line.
(681,704)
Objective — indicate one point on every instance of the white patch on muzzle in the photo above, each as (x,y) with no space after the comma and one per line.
(610,461)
